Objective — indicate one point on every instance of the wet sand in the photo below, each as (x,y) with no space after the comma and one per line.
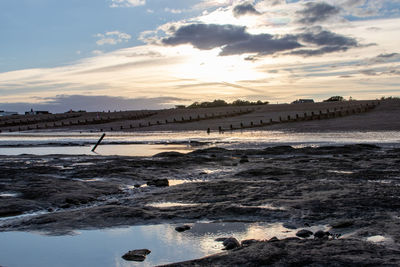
(353,188)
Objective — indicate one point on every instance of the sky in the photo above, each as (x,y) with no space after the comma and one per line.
(148,54)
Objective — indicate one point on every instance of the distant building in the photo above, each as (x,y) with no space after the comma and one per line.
(299,101)
(7,113)
(37,112)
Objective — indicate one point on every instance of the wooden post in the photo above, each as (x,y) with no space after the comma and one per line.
(98,142)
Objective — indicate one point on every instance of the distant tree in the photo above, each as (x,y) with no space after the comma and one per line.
(223,103)
(334,99)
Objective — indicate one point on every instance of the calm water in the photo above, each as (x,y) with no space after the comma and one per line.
(105,247)
(147,144)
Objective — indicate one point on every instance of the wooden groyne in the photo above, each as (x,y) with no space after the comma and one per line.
(322,114)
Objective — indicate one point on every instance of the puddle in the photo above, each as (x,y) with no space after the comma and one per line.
(171,204)
(265,206)
(173,182)
(9,194)
(379,239)
(89,180)
(105,247)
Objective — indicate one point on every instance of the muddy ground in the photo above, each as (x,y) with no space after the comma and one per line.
(352,188)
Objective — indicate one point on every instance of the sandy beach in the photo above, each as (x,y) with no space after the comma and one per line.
(350,191)
(367,115)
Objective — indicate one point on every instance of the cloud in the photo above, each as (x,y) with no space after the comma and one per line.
(112,38)
(127,3)
(326,41)
(244,9)
(317,12)
(262,44)
(391,55)
(235,40)
(173,10)
(63,103)
(207,36)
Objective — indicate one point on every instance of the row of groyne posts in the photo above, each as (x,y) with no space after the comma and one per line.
(51,122)
(183,119)
(306,116)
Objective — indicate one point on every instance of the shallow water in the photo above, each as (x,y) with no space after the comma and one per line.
(140,150)
(105,247)
(137,144)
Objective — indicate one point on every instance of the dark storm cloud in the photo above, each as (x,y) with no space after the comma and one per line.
(326,41)
(263,44)
(235,40)
(244,9)
(207,36)
(316,12)
(63,103)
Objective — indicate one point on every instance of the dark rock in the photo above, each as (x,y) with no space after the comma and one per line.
(137,185)
(159,182)
(244,159)
(221,239)
(231,243)
(289,226)
(182,228)
(321,234)
(304,233)
(249,242)
(171,154)
(136,255)
(274,239)
(342,224)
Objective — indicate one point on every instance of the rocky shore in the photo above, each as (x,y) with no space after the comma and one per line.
(353,188)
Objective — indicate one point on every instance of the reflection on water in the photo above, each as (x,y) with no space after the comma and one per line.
(117,143)
(140,150)
(105,247)
(379,239)
(9,194)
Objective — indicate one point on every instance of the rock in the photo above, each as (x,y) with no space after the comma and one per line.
(342,224)
(171,154)
(137,185)
(159,182)
(249,242)
(244,159)
(136,255)
(321,234)
(304,233)
(231,243)
(274,239)
(221,239)
(182,228)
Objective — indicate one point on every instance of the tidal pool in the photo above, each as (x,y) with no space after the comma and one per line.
(105,247)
